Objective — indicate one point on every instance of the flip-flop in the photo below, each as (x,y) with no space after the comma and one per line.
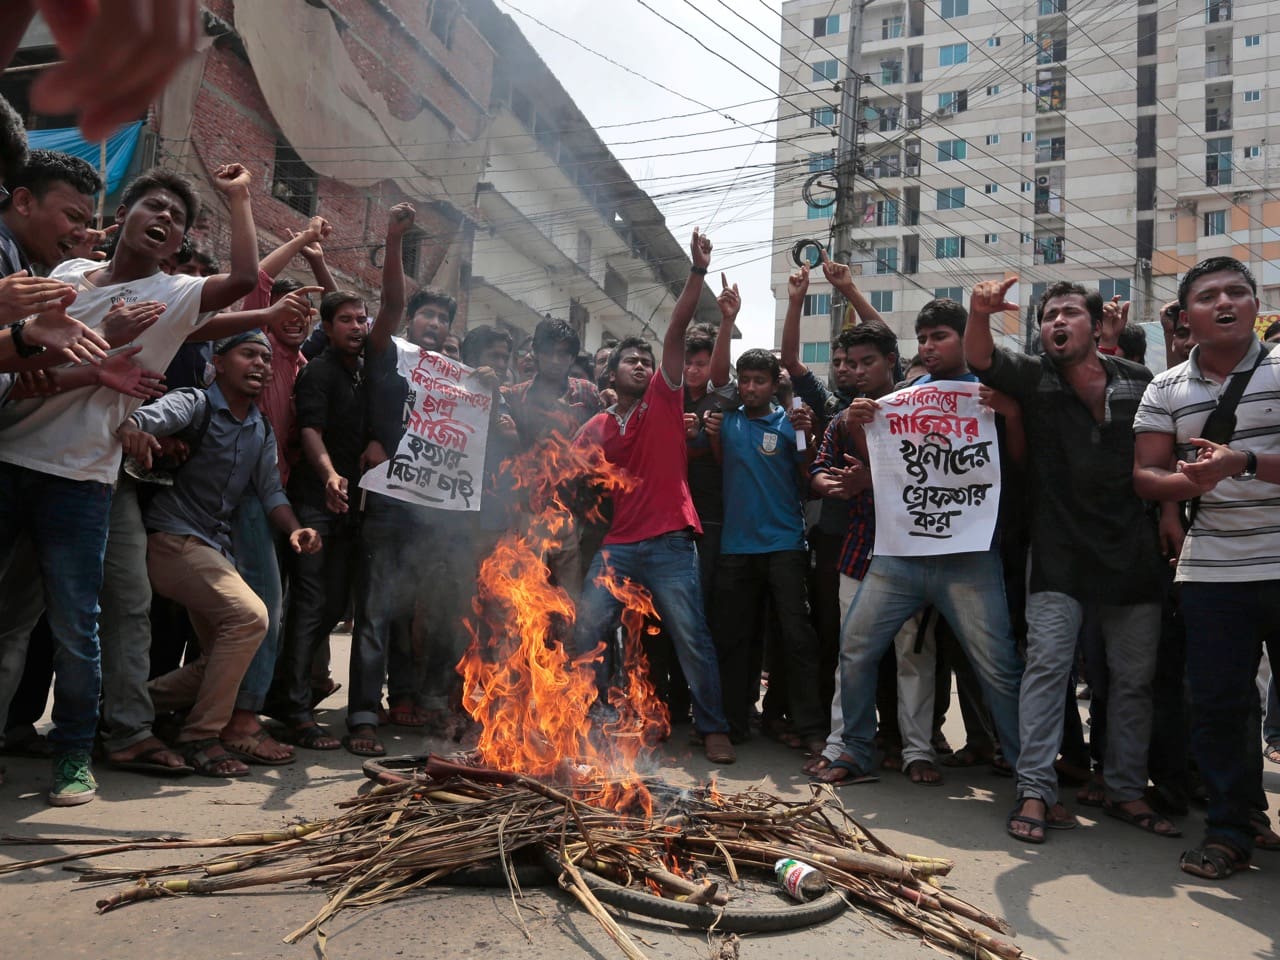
(966,756)
(246,748)
(1016,817)
(351,738)
(310,737)
(145,762)
(851,776)
(910,771)
(198,754)
(1272,753)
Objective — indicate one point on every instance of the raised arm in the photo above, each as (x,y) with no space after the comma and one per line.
(279,258)
(219,292)
(730,302)
(841,277)
(797,287)
(391,307)
(686,305)
(988,297)
(293,304)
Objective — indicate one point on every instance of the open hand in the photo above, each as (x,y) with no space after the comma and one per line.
(1214,463)
(125,321)
(53,329)
(121,374)
(22,295)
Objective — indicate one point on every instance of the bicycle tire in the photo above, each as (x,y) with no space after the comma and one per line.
(390,769)
(728,919)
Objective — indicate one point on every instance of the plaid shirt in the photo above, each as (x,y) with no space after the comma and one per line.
(537,418)
(860,536)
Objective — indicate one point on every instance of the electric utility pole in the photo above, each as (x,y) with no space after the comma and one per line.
(848,156)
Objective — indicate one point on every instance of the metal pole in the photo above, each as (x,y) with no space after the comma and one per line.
(847,157)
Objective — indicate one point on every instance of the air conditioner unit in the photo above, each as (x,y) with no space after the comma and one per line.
(1042,181)
(913,170)
(913,122)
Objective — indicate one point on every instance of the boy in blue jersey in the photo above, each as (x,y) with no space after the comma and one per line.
(763,551)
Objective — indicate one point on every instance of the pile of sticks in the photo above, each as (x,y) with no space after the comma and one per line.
(404,835)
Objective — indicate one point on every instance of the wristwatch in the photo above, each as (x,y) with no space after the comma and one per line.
(24,349)
(1250,470)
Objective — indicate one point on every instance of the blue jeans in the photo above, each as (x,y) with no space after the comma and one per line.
(254,549)
(967,589)
(67,521)
(667,566)
(1225,626)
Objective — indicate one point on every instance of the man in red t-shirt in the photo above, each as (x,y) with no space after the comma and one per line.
(651,539)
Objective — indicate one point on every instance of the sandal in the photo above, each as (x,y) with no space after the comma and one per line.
(1264,838)
(1147,820)
(1093,793)
(407,715)
(966,756)
(210,759)
(781,731)
(249,747)
(1272,753)
(1213,860)
(924,773)
(843,771)
(312,736)
(815,765)
(1035,823)
(1000,766)
(148,761)
(363,741)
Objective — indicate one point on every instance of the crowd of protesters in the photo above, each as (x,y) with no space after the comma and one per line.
(182,527)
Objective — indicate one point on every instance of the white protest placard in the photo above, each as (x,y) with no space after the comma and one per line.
(935,470)
(440,460)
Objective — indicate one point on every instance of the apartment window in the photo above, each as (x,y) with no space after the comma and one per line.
(990,238)
(956,101)
(952,150)
(993,41)
(584,250)
(886,213)
(822,117)
(826,26)
(615,286)
(825,70)
(1217,161)
(991,188)
(815,352)
(949,293)
(1215,223)
(948,248)
(819,162)
(292,181)
(817,304)
(1252,96)
(1048,7)
(1026,186)
(951,198)
(1253,152)
(411,251)
(993,90)
(1027,136)
(881,300)
(1114,288)
(890,71)
(953,54)
(886,259)
(1026,238)
(1253,40)
(954,8)
(1217,11)
(890,28)
(992,139)
(819,211)
(443,15)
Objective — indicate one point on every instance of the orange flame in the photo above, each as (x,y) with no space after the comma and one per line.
(530,696)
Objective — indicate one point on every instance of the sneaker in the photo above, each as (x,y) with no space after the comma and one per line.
(73,781)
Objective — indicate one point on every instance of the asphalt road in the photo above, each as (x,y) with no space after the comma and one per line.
(1106,890)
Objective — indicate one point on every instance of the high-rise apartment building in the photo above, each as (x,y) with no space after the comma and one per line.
(1112,142)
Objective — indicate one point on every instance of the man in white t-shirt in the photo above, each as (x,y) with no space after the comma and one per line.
(1228,567)
(59,456)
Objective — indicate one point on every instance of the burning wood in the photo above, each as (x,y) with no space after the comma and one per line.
(445,818)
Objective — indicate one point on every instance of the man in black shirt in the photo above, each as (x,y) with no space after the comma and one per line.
(331,410)
(1091,544)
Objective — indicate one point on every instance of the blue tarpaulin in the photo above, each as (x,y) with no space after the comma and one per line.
(120,147)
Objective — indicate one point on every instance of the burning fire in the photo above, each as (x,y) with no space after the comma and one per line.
(520,683)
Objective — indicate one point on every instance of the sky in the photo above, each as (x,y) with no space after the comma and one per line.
(712,152)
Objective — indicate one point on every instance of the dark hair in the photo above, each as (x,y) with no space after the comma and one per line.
(1133,343)
(479,339)
(333,302)
(44,168)
(284,286)
(942,313)
(550,332)
(583,364)
(629,343)
(1272,330)
(186,250)
(875,333)
(1213,265)
(13,140)
(205,259)
(158,178)
(915,361)
(700,338)
(759,359)
(1066,288)
(429,295)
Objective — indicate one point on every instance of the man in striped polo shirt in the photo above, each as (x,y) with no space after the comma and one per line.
(1229,567)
